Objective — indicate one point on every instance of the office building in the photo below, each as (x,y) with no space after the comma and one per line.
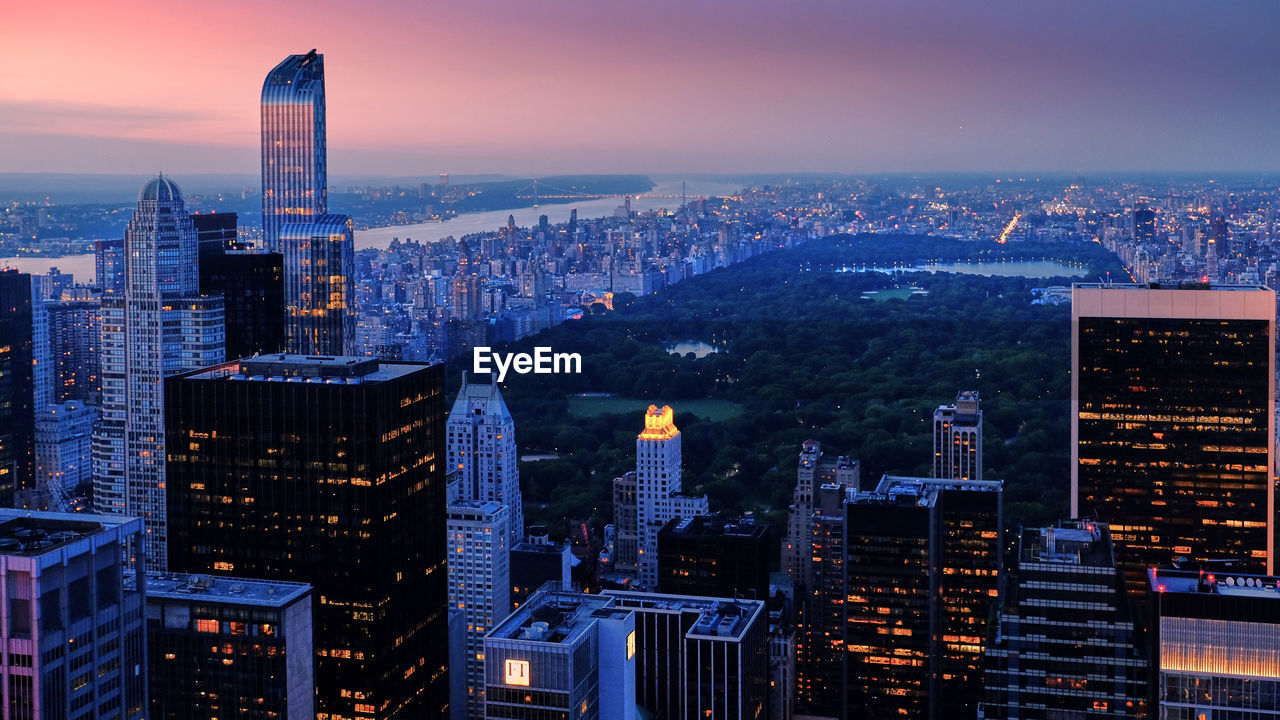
(108,264)
(1215,641)
(1173,429)
(659,493)
(482,450)
(64,451)
(251,284)
(216,233)
(813,470)
(74,342)
(714,557)
(294,174)
(697,657)
(229,648)
(329,471)
(42,373)
(1066,643)
(562,655)
(17,387)
(319,285)
(957,438)
(1144,224)
(536,562)
(479,552)
(158,325)
(819,604)
(74,628)
(922,561)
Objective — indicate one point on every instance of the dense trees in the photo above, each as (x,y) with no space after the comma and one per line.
(808,357)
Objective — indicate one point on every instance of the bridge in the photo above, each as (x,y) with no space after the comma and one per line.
(537,192)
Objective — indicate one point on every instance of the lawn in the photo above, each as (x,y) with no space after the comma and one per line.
(898,293)
(714,410)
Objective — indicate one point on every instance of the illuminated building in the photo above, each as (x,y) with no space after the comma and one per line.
(483,461)
(699,657)
(329,471)
(714,557)
(74,629)
(17,383)
(294,157)
(479,551)
(957,438)
(1066,643)
(1144,224)
(158,325)
(658,489)
(108,264)
(229,647)
(319,285)
(1216,644)
(1172,429)
(562,655)
(820,606)
(74,342)
(812,472)
(921,576)
(64,449)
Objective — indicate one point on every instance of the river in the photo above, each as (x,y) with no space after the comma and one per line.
(82,266)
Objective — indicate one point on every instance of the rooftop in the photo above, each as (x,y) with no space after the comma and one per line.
(31,533)
(1160,286)
(160,188)
(921,491)
(334,370)
(228,590)
(716,526)
(555,617)
(717,617)
(1228,584)
(1071,542)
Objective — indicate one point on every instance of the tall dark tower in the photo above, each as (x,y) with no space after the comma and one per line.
(251,283)
(294,165)
(328,471)
(1144,224)
(1172,431)
(17,387)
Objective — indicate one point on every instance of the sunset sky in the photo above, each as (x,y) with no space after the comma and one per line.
(651,85)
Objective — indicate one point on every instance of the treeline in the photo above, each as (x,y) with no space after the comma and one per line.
(806,356)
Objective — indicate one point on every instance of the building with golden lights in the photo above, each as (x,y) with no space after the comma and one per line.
(1173,429)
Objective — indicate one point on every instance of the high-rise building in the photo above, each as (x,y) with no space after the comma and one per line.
(74,340)
(957,438)
(819,604)
(319,285)
(216,233)
(483,460)
(42,373)
(1144,224)
(108,265)
(812,472)
(329,471)
(659,492)
(294,169)
(229,647)
(562,655)
(17,387)
(64,445)
(251,283)
(921,576)
(699,657)
(1215,640)
(158,325)
(74,625)
(714,557)
(536,562)
(1172,432)
(1066,643)
(479,552)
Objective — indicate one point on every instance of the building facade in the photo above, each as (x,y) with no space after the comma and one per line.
(1173,429)
(158,325)
(479,551)
(659,491)
(813,470)
(64,450)
(957,438)
(329,471)
(712,556)
(17,386)
(74,342)
(483,461)
(74,633)
(294,154)
(319,285)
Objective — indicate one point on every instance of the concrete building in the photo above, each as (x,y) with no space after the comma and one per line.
(957,438)
(479,552)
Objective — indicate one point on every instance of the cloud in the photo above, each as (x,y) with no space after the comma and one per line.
(88,119)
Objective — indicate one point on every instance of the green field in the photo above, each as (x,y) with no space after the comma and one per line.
(713,410)
(898,293)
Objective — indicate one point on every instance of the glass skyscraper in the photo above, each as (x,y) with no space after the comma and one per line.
(294,178)
(319,287)
(159,325)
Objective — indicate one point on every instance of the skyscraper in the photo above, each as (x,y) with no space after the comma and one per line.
(957,438)
(319,288)
(64,457)
(74,617)
(659,492)
(813,470)
(250,281)
(921,576)
(479,552)
(17,387)
(294,174)
(74,339)
(715,557)
(483,460)
(820,605)
(329,471)
(1066,641)
(108,265)
(1172,430)
(157,326)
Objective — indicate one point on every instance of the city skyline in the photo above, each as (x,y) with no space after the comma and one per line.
(499,87)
